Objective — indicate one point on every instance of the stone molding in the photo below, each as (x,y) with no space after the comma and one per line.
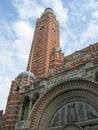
(73,85)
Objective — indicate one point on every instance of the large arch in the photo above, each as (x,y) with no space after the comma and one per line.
(69,91)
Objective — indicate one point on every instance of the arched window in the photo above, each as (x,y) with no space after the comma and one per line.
(17,88)
(35,97)
(25,108)
(96,76)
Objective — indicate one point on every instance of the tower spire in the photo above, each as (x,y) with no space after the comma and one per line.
(46,37)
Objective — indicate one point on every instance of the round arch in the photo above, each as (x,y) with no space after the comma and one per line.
(69,91)
(25,102)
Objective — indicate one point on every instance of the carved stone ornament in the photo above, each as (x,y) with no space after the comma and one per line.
(71,127)
(73,112)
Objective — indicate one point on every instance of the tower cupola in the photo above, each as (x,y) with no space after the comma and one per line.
(49,10)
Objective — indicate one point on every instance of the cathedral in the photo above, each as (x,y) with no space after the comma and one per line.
(56,92)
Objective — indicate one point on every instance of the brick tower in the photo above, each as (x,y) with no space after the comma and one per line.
(46,37)
(66,98)
(14,99)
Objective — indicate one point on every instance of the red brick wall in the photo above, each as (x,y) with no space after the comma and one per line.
(46,36)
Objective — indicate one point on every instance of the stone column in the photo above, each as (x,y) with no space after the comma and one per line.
(20,112)
(30,105)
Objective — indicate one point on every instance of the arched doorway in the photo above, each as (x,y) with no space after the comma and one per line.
(71,102)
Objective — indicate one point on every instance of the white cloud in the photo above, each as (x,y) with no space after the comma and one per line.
(14,51)
(90,33)
(22,47)
(4,90)
(24,34)
(95,14)
(23,29)
(6,53)
(83,18)
(60,11)
(16,35)
(28,8)
(81,29)
(77,11)
(33,9)
(93,4)
(6,59)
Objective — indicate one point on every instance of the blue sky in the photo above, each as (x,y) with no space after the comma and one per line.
(78,29)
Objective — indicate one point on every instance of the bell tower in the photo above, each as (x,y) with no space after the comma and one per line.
(46,37)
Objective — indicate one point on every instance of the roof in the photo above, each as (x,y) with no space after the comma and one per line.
(26,74)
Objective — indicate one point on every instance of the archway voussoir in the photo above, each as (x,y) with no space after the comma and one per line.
(86,89)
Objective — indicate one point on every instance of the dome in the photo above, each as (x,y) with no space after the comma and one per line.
(49,10)
(26,74)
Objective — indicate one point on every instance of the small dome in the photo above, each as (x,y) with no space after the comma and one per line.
(49,10)
(26,74)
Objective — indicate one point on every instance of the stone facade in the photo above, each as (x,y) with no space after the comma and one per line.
(56,92)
